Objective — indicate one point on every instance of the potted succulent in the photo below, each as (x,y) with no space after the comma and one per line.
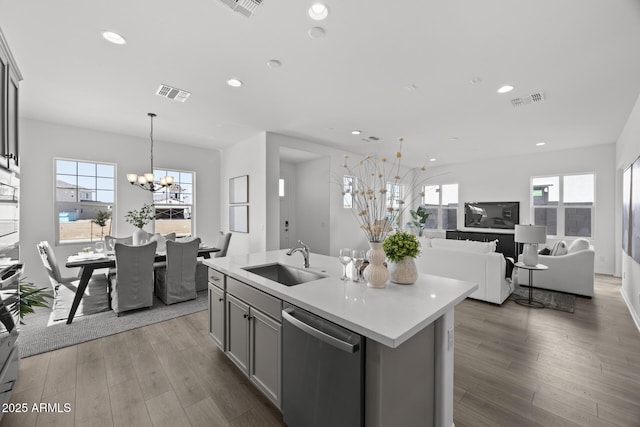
(140,218)
(401,248)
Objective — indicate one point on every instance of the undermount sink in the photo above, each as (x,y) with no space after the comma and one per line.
(284,274)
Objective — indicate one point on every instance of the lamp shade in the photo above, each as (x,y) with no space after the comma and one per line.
(530,234)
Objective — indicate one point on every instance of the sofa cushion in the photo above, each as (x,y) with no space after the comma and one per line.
(559,248)
(464,245)
(578,245)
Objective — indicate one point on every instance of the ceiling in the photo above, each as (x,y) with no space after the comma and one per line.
(427,71)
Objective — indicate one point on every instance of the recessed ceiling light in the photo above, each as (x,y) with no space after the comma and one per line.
(432,159)
(505,89)
(316,32)
(356,132)
(114,38)
(476,80)
(318,11)
(455,138)
(274,63)
(412,88)
(234,82)
(540,144)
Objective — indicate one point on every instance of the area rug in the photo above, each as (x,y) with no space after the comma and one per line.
(551,299)
(40,334)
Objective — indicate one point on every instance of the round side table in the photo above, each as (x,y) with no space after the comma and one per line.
(529,302)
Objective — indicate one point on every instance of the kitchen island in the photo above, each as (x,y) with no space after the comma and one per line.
(408,330)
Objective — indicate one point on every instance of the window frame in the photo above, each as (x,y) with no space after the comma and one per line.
(56,203)
(440,208)
(161,172)
(562,206)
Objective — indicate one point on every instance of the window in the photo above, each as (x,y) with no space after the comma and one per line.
(83,190)
(394,198)
(441,202)
(565,204)
(347,191)
(174,203)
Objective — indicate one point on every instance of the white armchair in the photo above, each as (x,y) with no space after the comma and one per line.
(572,273)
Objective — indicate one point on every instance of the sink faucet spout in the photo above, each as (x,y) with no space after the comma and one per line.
(303,249)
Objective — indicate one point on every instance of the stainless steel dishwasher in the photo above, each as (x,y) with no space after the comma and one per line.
(322,372)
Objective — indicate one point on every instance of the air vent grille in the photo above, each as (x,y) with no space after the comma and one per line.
(173,93)
(371,139)
(530,99)
(243,7)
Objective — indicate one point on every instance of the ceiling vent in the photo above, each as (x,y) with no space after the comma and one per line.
(243,7)
(173,93)
(371,139)
(530,99)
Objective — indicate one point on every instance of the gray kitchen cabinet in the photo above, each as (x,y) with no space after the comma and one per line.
(216,315)
(265,352)
(237,326)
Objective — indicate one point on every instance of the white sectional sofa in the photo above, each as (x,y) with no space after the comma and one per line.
(475,262)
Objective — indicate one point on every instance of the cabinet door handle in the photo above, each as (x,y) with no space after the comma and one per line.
(245,315)
(220,299)
(215,279)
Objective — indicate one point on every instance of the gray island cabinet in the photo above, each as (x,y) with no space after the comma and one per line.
(408,332)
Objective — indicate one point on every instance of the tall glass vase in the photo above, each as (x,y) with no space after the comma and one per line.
(376,273)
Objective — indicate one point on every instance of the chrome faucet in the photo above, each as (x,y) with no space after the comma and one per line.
(303,249)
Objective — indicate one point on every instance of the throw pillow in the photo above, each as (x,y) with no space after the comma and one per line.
(578,245)
(559,248)
(545,251)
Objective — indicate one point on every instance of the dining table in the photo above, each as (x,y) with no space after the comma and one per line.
(91,262)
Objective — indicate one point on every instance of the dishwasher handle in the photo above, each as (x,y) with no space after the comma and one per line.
(288,315)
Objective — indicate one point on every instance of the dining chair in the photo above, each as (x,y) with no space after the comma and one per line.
(132,284)
(176,282)
(64,289)
(223,244)
(202,271)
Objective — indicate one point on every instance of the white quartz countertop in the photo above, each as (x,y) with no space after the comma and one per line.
(389,316)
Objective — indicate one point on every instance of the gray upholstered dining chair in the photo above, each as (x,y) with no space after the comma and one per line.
(96,297)
(223,244)
(132,285)
(176,282)
(109,240)
(202,273)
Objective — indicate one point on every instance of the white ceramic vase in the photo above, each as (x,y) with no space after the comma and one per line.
(376,273)
(139,236)
(404,271)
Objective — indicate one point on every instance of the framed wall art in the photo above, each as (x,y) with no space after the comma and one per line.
(239,218)
(239,189)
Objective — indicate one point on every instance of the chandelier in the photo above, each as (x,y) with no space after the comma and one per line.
(146,180)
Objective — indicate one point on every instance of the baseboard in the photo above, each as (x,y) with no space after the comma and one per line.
(634,315)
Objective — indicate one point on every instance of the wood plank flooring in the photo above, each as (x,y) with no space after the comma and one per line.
(514,366)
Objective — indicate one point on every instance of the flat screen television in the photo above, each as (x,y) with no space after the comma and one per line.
(504,215)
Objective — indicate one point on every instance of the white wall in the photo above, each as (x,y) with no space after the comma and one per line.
(343,227)
(288,205)
(312,210)
(40,142)
(627,150)
(508,179)
(247,157)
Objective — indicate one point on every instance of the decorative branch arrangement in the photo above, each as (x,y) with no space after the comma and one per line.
(370,194)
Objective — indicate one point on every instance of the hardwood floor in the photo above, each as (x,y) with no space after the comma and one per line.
(513,366)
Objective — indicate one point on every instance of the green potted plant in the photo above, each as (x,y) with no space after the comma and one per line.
(101,219)
(139,218)
(30,296)
(419,217)
(401,248)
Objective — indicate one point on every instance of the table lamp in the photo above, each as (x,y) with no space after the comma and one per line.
(530,235)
